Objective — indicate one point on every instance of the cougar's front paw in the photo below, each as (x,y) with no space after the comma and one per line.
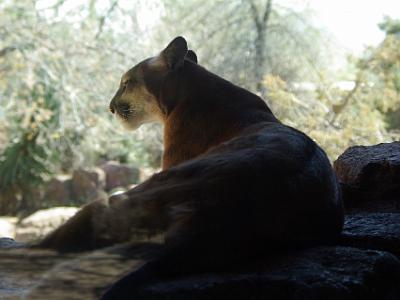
(79,233)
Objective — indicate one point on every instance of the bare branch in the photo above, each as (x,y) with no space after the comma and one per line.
(267,11)
(6,50)
(103,19)
(254,13)
(338,109)
(55,6)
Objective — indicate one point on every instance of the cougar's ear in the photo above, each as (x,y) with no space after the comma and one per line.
(191,55)
(175,53)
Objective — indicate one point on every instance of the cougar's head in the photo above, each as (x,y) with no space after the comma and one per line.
(137,100)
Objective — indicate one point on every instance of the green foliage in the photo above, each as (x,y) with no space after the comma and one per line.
(61,63)
(390,26)
(22,164)
(367,113)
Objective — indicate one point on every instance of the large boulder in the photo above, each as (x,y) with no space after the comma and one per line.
(58,191)
(118,175)
(370,173)
(333,273)
(42,222)
(39,274)
(88,184)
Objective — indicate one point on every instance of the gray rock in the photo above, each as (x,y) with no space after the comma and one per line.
(87,185)
(8,243)
(58,191)
(373,231)
(38,274)
(118,175)
(370,173)
(330,273)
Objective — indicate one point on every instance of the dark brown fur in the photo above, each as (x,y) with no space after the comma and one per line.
(235,182)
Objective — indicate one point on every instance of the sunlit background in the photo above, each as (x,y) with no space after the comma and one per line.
(329,68)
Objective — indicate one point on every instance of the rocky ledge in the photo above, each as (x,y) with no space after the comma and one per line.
(319,273)
(364,264)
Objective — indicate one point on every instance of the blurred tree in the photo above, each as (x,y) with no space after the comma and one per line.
(77,52)
(59,66)
(61,62)
(242,40)
(337,118)
(387,66)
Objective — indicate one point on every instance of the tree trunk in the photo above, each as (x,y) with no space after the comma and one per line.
(261,26)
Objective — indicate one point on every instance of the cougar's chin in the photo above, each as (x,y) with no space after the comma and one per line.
(131,123)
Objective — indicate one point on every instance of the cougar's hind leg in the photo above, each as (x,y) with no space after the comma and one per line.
(185,253)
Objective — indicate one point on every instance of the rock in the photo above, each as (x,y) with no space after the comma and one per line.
(9,204)
(8,243)
(370,173)
(21,269)
(87,185)
(59,191)
(331,273)
(40,274)
(146,173)
(42,222)
(334,273)
(118,175)
(7,226)
(373,231)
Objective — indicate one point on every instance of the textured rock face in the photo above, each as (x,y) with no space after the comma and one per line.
(59,191)
(333,273)
(38,274)
(87,185)
(319,273)
(118,175)
(373,231)
(370,173)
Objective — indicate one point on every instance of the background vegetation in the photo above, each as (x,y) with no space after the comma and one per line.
(61,63)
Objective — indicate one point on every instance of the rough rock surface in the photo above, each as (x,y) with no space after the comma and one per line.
(59,191)
(342,273)
(118,175)
(373,231)
(87,185)
(370,173)
(34,274)
(42,222)
(319,273)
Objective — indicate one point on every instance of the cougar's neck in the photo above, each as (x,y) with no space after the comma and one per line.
(204,110)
